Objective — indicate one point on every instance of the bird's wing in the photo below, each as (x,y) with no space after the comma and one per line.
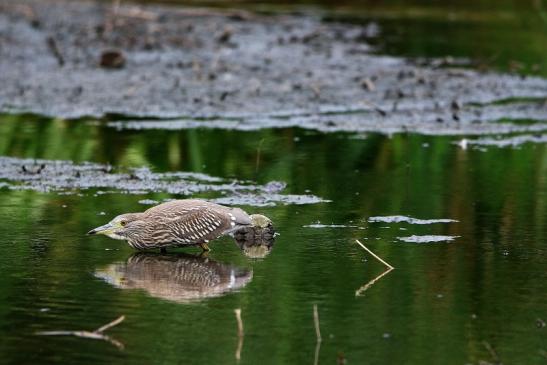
(199,224)
(173,209)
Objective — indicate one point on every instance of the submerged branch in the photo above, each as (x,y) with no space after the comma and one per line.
(365,287)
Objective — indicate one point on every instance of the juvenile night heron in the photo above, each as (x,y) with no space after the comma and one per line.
(178,223)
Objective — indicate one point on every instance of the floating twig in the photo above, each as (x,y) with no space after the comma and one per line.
(239,322)
(365,287)
(317,349)
(374,255)
(317,334)
(240,333)
(115,322)
(94,335)
(316,322)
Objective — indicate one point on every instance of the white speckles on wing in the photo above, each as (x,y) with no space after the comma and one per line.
(186,222)
(201,224)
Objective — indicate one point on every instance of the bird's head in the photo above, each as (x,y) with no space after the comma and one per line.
(118,227)
(260,221)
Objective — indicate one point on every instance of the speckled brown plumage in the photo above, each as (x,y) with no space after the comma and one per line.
(176,223)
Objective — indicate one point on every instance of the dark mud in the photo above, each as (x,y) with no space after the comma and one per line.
(241,70)
(66,177)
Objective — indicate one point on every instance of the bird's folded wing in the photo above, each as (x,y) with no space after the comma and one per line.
(199,225)
(173,209)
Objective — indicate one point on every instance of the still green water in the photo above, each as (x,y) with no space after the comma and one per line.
(439,306)
(481,297)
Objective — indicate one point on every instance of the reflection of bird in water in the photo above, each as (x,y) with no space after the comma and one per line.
(178,223)
(179,278)
(256,241)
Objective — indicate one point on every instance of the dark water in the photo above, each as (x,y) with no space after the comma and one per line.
(480,297)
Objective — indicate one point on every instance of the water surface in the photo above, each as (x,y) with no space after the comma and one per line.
(442,302)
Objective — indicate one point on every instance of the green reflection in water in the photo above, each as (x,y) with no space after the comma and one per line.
(438,306)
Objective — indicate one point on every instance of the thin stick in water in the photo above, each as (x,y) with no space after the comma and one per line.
(94,335)
(317,334)
(374,255)
(239,322)
(317,349)
(240,333)
(115,322)
(316,322)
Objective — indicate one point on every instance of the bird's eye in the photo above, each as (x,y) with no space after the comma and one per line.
(123,223)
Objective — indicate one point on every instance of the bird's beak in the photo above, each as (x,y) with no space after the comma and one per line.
(106,229)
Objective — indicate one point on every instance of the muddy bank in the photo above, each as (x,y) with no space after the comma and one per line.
(68,178)
(73,59)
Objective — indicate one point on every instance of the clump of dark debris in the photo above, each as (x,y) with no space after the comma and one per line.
(68,177)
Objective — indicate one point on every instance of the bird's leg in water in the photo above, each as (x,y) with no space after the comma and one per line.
(204,246)
(163,250)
